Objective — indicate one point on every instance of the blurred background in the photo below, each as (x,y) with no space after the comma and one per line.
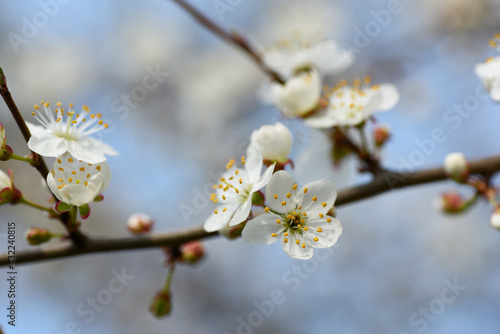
(398,254)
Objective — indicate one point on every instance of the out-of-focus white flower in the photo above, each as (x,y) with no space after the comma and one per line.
(8,192)
(299,95)
(140,223)
(351,105)
(456,166)
(67,131)
(274,141)
(293,56)
(235,190)
(4,180)
(495,219)
(75,182)
(489,71)
(298,217)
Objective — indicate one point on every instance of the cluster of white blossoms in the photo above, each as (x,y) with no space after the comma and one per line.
(299,217)
(79,173)
(303,66)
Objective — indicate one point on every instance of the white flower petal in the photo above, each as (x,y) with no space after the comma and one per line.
(321,120)
(4,180)
(264,179)
(329,58)
(75,194)
(323,190)
(242,212)
(84,150)
(330,232)
(217,221)
(259,230)
(253,163)
(389,97)
(37,130)
(47,145)
(105,148)
(295,250)
(280,184)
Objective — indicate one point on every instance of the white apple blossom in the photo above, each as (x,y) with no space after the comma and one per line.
(67,131)
(299,218)
(274,141)
(76,182)
(292,56)
(456,166)
(351,105)
(489,74)
(299,95)
(235,189)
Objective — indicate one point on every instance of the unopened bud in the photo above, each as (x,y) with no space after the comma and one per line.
(452,202)
(381,135)
(3,139)
(36,235)
(161,304)
(140,223)
(192,252)
(232,232)
(456,166)
(257,198)
(8,193)
(274,141)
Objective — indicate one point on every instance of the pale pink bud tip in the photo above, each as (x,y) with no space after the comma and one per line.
(140,223)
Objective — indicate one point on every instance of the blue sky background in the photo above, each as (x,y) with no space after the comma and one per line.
(397,253)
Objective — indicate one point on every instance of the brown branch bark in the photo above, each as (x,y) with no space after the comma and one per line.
(382,183)
(234,38)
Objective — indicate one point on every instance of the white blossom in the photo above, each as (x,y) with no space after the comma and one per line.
(351,105)
(274,141)
(234,191)
(489,73)
(68,131)
(76,182)
(299,218)
(456,165)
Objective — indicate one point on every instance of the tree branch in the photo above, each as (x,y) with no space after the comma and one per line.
(234,38)
(382,183)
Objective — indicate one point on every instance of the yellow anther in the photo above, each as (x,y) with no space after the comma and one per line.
(321,215)
(105,125)
(77,181)
(288,195)
(98,168)
(224,197)
(243,160)
(302,221)
(71,105)
(230,164)
(222,179)
(375,87)
(70,160)
(237,172)
(36,107)
(316,239)
(61,169)
(274,235)
(275,196)
(99,115)
(285,240)
(46,104)
(306,228)
(299,226)
(215,200)
(88,176)
(367,79)
(290,217)
(283,203)
(300,207)
(303,245)
(59,161)
(214,186)
(220,186)
(294,187)
(212,197)
(215,211)
(237,191)
(328,220)
(92,116)
(58,120)
(493,44)
(100,122)
(73,172)
(240,181)
(70,179)
(33,113)
(224,210)
(226,188)
(314,199)
(60,180)
(306,190)
(267,209)
(294,213)
(278,221)
(231,178)
(304,214)
(323,204)
(59,187)
(86,183)
(285,234)
(497,35)
(319,230)
(297,241)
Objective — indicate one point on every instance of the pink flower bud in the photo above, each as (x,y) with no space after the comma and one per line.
(161,304)
(452,202)
(381,134)
(140,223)
(192,252)
(36,235)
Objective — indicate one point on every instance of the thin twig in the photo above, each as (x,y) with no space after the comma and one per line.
(384,182)
(234,38)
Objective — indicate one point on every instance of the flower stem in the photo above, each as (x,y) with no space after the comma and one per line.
(170,275)
(39,207)
(20,158)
